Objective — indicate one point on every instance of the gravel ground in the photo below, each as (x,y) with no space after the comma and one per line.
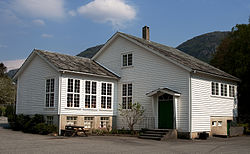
(18,142)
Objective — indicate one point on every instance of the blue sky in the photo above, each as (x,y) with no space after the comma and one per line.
(71,26)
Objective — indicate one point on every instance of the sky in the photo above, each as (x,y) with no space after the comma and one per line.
(71,26)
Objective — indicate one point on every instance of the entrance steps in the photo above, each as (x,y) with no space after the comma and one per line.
(158,134)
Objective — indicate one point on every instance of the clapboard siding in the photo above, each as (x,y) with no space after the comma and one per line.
(31,88)
(148,73)
(81,110)
(204,105)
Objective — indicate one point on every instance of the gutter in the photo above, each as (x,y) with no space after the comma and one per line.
(190,106)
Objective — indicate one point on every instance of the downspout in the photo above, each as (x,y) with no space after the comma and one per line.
(190,105)
(59,103)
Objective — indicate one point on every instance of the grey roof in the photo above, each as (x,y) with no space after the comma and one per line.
(76,64)
(181,57)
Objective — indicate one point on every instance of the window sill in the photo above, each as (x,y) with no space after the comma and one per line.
(91,109)
(106,109)
(226,97)
(124,67)
(49,108)
(73,108)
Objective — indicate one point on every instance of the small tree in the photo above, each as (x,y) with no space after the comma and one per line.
(132,116)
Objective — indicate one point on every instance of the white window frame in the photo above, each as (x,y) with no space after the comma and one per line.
(104,122)
(50,93)
(223,89)
(90,94)
(71,120)
(106,95)
(127,96)
(74,93)
(88,122)
(214,123)
(219,123)
(127,62)
(50,120)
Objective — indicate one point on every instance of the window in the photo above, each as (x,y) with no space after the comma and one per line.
(104,123)
(49,120)
(88,122)
(231,91)
(214,123)
(50,92)
(127,60)
(223,89)
(215,88)
(73,95)
(71,120)
(219,123)
(126,96)
(106,96)
(90,94)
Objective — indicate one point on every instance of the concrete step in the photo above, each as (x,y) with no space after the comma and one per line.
(157,130)
(154,132)
(156,135)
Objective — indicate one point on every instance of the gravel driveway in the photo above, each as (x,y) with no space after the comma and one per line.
(18,142)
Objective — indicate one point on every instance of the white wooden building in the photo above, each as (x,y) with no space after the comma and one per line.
(177,90)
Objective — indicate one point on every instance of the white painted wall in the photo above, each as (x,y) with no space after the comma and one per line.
(82,110)
(148,73)
(31,88)
(205,105)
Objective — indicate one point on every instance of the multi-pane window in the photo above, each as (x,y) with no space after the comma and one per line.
(90,94)
(71,120)
(127,59)
(50,92)
(126,96)
(49,120)
(73,93)
(88,122)
(214,123)
(231,91)
(215,88)
(223,89)
(219,123)
(106,95)
(104,122)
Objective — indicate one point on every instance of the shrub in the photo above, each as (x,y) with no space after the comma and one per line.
(2,110)
(10,110)
(44,129)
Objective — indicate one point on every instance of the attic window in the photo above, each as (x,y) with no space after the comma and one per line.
(215,88)
(127,59)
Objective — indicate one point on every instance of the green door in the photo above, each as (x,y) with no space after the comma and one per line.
(165,114)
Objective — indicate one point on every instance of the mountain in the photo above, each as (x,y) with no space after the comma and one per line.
(90,52)
(203,46)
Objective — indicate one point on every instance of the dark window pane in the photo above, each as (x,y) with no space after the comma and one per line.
(129,102)
(48,85)
(76,100)
(77,86)
(87,87)
(103,102)
(47,100)
(70,100)
(109,102)
(51,100)
(93,102)
(93,87)
(225,90)
(52,85)
(87,101)
(217,88)
(124,103)
(109,89)
(124,90)
(129,89)
(103,88)
(124,60)
(130,59)
(213,88)
(70,85)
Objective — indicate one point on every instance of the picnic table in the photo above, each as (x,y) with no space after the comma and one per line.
(74,130)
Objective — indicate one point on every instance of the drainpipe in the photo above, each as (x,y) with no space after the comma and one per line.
(190,105)
(59,103)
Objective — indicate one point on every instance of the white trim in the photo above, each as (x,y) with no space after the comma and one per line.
(45,88)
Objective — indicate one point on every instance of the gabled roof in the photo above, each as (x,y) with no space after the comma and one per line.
(72,64)
(163,90)
(184,60)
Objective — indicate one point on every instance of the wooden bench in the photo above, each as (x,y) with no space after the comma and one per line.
(74,130)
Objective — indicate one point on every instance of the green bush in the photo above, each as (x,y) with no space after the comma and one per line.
(10,110)
(44,129)
(2,110)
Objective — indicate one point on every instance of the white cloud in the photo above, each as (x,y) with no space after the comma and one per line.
(50,9)
(72,13)
(47,35)
(118,12)
(3,46)
(13,64)
(38,22)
